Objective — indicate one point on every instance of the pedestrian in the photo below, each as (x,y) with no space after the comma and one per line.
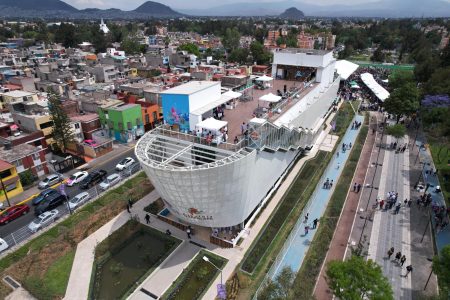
(402,260)
(243,128)
(350,145)
(390,252)
(359,187)
(409,269)
(331,184)
(306,229)
(315,223)
(397,208)
(306,218)
(188,232)
(381,204)
(338,165)
(355,186)
(130,203)
(168,232)
(337,154)
(405,201)
(128,208)
(398,255)
(236,140)
(409,202)
(147,218)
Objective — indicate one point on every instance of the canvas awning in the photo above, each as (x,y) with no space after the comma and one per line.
(270,98)
(373,85)
(232,94)
(211,124)
(264,78)
(345,68)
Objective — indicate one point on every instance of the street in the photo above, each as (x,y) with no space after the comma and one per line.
(109,166)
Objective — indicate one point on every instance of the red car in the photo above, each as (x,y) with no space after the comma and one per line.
(13,212)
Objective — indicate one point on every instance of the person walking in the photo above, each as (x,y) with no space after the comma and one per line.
(315,223)
(147,218)
(306,230)
(409,269)
(188,232)
(409,202)
(381,204)
(130,203)
(402,260)
(390,252)
(128,208)
(306,218)
(398,256)
(355,186)
(337,154)
(397,208)
(359,187)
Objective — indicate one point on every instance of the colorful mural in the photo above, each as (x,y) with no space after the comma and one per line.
(176,110)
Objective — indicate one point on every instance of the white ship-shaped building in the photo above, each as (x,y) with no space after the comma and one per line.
(207,171)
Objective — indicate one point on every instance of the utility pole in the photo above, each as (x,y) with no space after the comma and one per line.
(4,191)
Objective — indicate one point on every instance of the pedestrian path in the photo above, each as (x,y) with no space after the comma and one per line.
(390,229)
(442,236)
(299,241)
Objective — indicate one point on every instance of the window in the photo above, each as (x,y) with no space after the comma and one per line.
(18,163)
(6,173)
(36,156)
(138,122)
(46,124)
(120,125)
(155,118)
(111,124)
(77,125)
(39,168)
(129,125)
(147,119)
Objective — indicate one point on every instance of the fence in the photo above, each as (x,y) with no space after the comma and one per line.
(23,234)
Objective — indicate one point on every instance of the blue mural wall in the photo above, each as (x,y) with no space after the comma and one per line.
(176,110)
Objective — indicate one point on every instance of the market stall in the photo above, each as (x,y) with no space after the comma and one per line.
(264,82)
(214,131)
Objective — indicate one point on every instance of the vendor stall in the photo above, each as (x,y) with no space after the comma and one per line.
(214,131)
(264,82)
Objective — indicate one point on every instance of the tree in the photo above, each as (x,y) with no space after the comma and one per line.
(357,278)
(403,101)
(378,55)
(131,46)
(231,39)
(398,131)
(441,267)
(62,129)
(239,55)
(279,288)
(260,55)
(190,48)
(399,78)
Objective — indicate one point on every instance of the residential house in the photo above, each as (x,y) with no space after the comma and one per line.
(25,157)
(10,181)
(124,122)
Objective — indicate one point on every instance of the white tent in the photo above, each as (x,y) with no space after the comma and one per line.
(270,98)
(264,78)
(377,89)
(345,68)
(211,124)
(232,95)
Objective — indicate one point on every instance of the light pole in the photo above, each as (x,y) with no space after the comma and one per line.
(205,258)
(5,191)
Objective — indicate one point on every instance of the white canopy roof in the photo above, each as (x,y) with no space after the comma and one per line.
(232,94)
(264,78)
(377,89)
(257,121)
(270,98)
(345,68)
(212,124)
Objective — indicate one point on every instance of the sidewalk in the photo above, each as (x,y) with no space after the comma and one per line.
(341,236)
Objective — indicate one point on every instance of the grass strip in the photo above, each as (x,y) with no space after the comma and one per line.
(305,280)
(195,280)
(34,263)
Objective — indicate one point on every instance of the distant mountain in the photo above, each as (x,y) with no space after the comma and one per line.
(38,5)
(381,8)
(55,9)
(155,8)
(292,13)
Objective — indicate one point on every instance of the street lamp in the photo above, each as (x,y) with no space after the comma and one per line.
(205,258)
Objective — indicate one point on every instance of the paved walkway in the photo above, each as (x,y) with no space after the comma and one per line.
(78,285)
(390,229)
(300,242)
(341,236)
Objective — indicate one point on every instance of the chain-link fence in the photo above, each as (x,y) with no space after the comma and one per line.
(24,233)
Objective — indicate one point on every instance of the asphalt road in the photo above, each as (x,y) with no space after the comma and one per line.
(108,166)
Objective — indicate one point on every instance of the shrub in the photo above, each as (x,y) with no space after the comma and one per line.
(27,177)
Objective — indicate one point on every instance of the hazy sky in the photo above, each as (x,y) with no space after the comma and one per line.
(132,4)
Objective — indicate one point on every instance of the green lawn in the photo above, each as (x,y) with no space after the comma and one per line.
(43,264)
(306,277)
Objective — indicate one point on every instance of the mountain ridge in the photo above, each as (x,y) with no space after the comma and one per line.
(292,13)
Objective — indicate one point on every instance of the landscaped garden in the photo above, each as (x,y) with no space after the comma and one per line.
(306,277)
(195,280)
(43,265)
(126,258)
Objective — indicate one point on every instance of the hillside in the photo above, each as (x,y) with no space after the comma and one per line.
(292,13)
(40,5)
(156,9)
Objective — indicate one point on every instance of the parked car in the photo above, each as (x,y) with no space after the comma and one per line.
(43,195)
(3,245)
(91,143)
(79,200)
(420,187)
(13,212)
(93,178)
(125,163)
(43,220)
(111,180)
(50,180)
(77,178)
(50,203)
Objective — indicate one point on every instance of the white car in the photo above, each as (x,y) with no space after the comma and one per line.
(125,163)
(43,220)
(3,245)
(79,199)
(77,178)
(50,180)
(110,181)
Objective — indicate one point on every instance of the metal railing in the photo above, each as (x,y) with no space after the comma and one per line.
(24,233)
